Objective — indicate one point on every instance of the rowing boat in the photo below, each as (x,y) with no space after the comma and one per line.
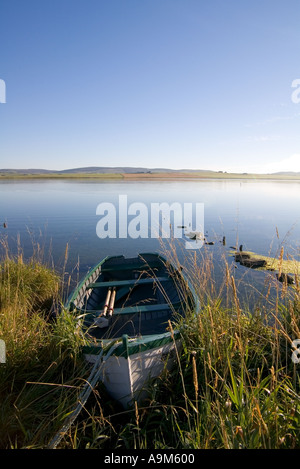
(127,307)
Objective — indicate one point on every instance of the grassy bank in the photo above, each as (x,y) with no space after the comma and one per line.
(210,175)
(151,176)
(103,176)
(235,385)
(280,265)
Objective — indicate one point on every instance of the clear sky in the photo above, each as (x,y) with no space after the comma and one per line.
(203,84)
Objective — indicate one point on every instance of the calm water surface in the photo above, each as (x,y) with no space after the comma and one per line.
(260,215)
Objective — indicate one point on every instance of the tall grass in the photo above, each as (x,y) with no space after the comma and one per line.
(235,385)
(41,354)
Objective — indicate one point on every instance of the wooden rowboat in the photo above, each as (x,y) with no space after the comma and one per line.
(126,305)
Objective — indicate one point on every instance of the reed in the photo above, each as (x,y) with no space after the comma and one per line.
(41,354)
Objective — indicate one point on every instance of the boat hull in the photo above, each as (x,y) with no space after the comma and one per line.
(136,344)
(126,377)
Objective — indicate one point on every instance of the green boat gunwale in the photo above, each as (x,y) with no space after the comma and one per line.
(123,345)
(85,281)
(70,304)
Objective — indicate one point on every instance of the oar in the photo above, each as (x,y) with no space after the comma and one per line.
(112,302)
(107,301)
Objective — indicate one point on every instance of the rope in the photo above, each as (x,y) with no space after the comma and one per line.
(88,387)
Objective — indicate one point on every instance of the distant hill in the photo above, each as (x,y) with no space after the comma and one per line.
(27,171)
(101,170)
(112,169)
(287,173)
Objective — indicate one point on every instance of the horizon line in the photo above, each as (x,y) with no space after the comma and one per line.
(140,168)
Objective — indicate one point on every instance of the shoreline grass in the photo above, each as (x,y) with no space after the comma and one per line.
(4,176)
(236,385)
(201,175)
(211,175)
(285,266)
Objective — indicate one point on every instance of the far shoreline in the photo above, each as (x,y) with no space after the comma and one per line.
(151,176)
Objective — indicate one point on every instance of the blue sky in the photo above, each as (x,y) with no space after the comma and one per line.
(154,83)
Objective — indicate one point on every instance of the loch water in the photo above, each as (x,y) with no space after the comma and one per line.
(50,215)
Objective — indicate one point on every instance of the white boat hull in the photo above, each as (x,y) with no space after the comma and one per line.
(126,378)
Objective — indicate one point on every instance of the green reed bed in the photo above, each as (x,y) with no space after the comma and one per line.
(41,365)
(235,385)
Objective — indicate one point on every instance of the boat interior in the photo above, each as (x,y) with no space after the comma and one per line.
(135,296)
